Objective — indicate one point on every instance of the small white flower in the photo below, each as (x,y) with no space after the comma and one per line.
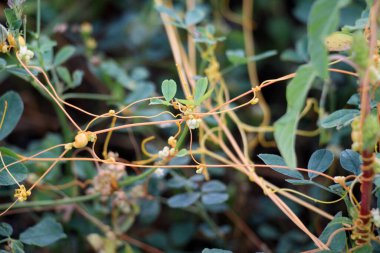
(160,172)
(25,54)
(376,217)
(193,123)
(164,153)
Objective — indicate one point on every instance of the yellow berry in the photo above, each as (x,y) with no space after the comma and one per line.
(81,140)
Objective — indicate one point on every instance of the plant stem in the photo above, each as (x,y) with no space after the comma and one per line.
(41,203)
(363,226)
(38,28)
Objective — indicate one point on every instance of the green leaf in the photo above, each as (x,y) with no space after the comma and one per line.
(77,78)
(364,249)
(273,160)
(323,20)
(236,57)
(3,34)
(339,242)
(19,172)
(360,50)
(183,200)
(340,118)
(350,161)
(285,128)
(213,186)
(214,198)
(182,152)
(200,90)
(168,11)
(17,246)
(64,74)
(5,229)
(8,152)
(63,55)
(156,101)
(11,108)
(185,101)
(194,17)
(169,89)
(46,232)
(215,251)
(14,23)
(320,161)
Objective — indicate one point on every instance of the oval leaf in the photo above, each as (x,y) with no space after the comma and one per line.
(194,17)
(214,186)
(169,89)
(350,161)
(320,161)
(11,108)
(46,232)
(19,172)
(183,200)
(273,160)
(214,198)
(200,89)
(64,54)
(5,229)
(340,118)
(339,242)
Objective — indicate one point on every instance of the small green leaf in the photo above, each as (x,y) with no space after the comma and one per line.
(64,74)
(3,34)
(236,57)
(11,108)
(182,152)
(8,152)
(213,186)
(274,160)
(14,23)
(46,232)
(350,161)
(5,229)
(360,50)
(77,78)
(169,89)
(320,161)
(17,246)
(183,200)
(215,251)
(214,198)
(64,54)
(185,101)
(18,171)
(339,242)
(168,11)
(340,118)
(194,17)
(156,101)
(200,90)
(285,128)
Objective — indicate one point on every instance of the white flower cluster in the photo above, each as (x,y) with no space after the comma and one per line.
(25,54)
(193,123)
(166,152)
(376,217)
